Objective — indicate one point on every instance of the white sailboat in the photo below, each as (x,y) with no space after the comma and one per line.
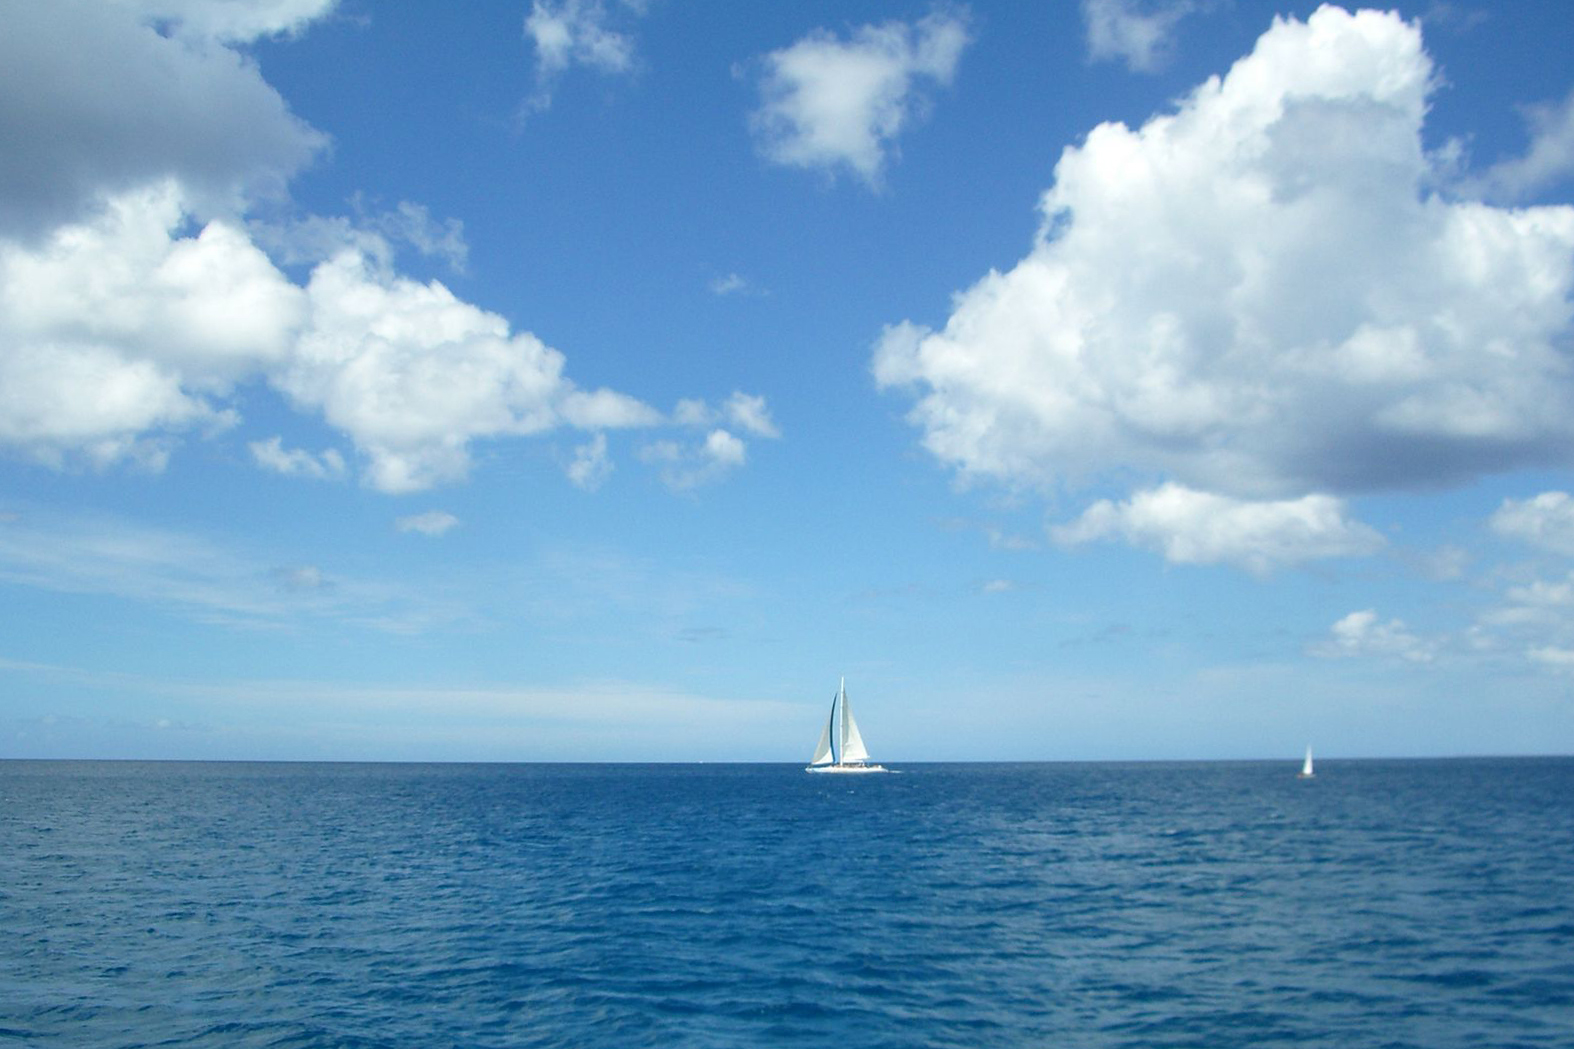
(1306,766)
(841,746)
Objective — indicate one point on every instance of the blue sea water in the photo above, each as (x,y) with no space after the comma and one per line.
(1384,903)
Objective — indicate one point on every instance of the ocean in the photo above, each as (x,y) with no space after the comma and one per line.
(1425,903)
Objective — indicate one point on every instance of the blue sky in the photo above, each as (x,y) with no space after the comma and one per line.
(588,380)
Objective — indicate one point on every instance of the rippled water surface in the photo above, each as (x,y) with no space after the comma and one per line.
(1407,903)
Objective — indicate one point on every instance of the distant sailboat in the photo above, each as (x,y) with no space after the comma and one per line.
(1306,766)
(841,747)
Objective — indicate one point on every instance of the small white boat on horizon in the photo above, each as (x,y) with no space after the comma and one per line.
(841,747)
(1306,766)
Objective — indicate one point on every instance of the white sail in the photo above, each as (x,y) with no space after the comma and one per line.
(1306,766)
(852,742)
(822,749)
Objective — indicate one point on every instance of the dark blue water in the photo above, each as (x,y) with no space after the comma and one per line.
(1414,903)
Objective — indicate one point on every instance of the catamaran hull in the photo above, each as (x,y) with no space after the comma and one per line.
(847,769)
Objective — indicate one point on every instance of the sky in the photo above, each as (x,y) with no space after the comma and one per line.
(603,380)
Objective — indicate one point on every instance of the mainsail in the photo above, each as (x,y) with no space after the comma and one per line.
(852,741)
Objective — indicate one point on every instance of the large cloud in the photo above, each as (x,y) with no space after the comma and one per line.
(116,330)
(414,374)
(136,302)
(1260,296)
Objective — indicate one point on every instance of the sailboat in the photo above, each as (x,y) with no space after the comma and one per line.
(1306,766)
(841,747)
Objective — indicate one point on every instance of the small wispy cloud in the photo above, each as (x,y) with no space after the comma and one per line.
(300,577)
(685,465)
(731,284)
(297,462)
(568,33)
(192,577)
(1137,32)
(1546,521)
(432,523)
(591,465)
(1547,161)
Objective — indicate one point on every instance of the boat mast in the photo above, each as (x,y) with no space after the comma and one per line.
(836,735)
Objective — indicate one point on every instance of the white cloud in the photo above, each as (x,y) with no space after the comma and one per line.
(830,103)
(575,32)
(1140,34)
(297,462)
(1192,527)
(1546,521)
(1255,296)
(1361,634)
(432,523)
(115,329)
(413,375)
(105,104)
(120,332)
(136,307)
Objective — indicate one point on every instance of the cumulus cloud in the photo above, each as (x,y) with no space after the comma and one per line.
(831,103)
(1546,521)
(413,375)
(138,306)
(1139,34)
(1362,634)
(1192,527)
(433,523)
(1257,296)
(115,331)
(120,332)
(567,33)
